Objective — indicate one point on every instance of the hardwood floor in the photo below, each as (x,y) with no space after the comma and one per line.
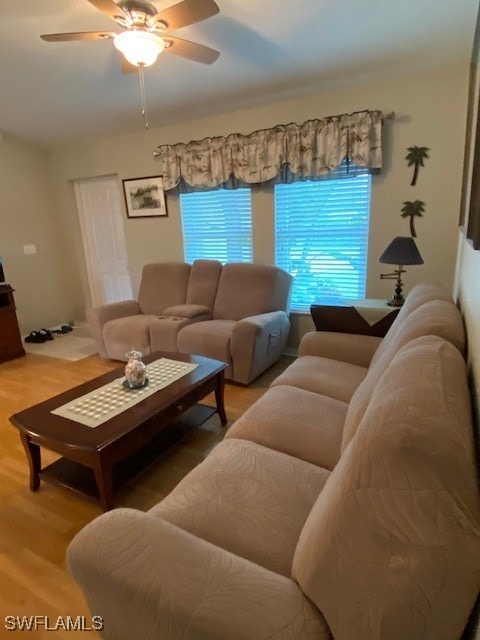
(36,528)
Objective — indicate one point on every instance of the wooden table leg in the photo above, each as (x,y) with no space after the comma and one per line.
(219,397)
(33,456)
(104,479)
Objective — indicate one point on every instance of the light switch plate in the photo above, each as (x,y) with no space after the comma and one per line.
(29,248)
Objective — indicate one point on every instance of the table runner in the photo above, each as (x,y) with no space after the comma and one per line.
(106,402)
(371,310)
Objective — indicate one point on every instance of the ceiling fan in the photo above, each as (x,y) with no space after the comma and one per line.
(145,31)
(145,34)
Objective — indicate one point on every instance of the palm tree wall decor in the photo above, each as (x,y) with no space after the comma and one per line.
(412,210)
(416,157)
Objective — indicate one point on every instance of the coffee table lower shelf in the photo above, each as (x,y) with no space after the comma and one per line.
(80,479)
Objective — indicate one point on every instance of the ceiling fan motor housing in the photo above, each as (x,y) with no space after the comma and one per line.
(140,12)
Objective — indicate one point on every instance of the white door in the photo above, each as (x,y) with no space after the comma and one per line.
(101,219)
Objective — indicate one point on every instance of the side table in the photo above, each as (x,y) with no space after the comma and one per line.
(10,340)
(343,317)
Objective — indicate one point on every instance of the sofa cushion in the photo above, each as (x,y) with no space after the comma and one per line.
(122,334)
(246,289)
(163,284)
(331,378)
(164,331)
(420,294)
(439,318)
(203,282)
(297,422)
(153,581)
(210,338)
(247,499)
(391,548)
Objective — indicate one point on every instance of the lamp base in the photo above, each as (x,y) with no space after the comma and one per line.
(396,302)
(397,299)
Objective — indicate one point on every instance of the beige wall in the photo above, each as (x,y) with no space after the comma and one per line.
(431,111)
(51,286)
(27,216)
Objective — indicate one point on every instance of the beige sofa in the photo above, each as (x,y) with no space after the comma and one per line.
(348,509)
(237,313)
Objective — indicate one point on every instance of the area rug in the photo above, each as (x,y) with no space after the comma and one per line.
(75,345)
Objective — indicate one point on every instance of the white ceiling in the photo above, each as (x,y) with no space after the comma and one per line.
(50,92)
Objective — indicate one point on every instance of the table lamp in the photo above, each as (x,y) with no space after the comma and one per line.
(401,251)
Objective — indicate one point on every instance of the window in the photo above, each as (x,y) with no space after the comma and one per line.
(321,231)
(217,225)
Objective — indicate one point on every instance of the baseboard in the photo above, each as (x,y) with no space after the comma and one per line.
(290,351)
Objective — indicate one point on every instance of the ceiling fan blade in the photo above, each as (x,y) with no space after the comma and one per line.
(127,67)
(185,13)
(78,35)
(190,50)
(111,9)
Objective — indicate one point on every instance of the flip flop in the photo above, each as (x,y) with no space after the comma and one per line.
(34,336)
(46,334)
(63,329)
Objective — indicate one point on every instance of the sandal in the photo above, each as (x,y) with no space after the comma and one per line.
(46,334)
(34,336)
(63,329)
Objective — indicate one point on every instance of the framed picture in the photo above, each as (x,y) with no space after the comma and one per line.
(144,197)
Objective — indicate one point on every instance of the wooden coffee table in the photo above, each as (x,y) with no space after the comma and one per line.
(125,444)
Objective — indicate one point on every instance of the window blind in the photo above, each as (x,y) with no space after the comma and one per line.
(321,231)
(217,225)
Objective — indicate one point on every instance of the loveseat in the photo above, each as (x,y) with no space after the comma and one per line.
(343,504)
(236,313)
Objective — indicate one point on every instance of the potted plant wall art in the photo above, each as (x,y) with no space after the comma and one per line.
(416,157)
(413,210)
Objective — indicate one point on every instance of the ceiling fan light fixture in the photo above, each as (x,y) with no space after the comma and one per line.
(140,48)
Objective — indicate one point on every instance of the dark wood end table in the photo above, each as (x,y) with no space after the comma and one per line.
(341,317)
(128,442)
(10,340)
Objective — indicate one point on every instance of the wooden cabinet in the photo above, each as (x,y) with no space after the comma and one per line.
(346,319)
(10,341)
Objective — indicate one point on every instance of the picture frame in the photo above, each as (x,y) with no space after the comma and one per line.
(145,197)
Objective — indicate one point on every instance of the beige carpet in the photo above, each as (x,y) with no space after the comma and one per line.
(75,345)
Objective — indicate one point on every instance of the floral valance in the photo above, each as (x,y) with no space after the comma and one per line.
(309,150)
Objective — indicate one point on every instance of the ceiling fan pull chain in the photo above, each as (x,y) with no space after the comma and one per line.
(143,95)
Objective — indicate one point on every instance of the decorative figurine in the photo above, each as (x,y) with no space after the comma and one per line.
(135,369)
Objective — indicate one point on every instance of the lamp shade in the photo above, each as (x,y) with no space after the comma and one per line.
(139,47)
(401,250)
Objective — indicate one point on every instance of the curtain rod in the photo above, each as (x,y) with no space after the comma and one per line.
(390,116)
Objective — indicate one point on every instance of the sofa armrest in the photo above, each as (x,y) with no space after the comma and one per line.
(98,316)
(188,311)
(346,347)
(149,579)
(256,342)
